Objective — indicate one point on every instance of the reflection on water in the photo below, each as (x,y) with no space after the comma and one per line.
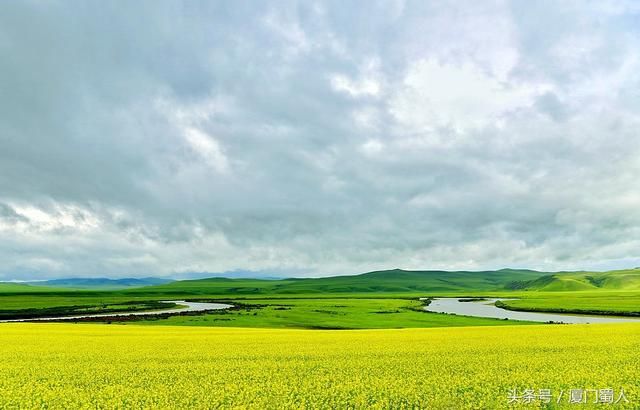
(183,307)
(486,308)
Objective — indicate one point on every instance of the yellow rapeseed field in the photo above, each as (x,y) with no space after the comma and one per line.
(108,366)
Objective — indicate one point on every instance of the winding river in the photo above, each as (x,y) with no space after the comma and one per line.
(184,306)
(486,308)
(483,308)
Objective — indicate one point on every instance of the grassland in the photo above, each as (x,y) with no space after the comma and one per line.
(263,354)
(341,313)
(20,288)
(60,366)
(382,299)
(627,280)
(586,302)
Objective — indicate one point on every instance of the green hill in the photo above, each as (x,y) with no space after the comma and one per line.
(628,280)
(395,281)
(386,281)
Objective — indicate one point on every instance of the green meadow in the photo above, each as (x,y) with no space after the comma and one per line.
(381,299)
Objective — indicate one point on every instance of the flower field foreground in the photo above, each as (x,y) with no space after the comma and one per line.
(108,366)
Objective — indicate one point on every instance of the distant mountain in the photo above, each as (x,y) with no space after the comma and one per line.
(234,274)
(385,281)
(100,283)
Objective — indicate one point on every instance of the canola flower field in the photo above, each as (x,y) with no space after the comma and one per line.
(58,366)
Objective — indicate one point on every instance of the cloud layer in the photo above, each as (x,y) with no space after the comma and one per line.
(317,138)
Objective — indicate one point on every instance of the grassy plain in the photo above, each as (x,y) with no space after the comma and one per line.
(58,366)
(375,313)
(383,299)
(262,354)
(587,302)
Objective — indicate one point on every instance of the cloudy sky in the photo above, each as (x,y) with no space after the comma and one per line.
(317,138)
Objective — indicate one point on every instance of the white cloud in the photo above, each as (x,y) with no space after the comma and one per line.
(367,83)
(355,88)
(288,29)
(207,148)
(436,95)
(312,138)
(372,147)
(57,218)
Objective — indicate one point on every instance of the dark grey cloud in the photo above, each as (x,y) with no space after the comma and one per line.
(161,138)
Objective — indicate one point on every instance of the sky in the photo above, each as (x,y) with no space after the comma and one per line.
(181,139)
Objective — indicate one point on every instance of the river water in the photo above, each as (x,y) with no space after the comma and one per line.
(184,307)
(486,308)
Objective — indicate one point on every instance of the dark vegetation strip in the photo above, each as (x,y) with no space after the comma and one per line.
(599,312)
(161,316)
(116,307)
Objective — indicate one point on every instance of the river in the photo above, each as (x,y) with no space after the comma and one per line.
(184,306)
(486,308)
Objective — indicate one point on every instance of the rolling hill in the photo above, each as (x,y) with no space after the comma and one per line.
(394,281)
(628,280)
(385,281)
